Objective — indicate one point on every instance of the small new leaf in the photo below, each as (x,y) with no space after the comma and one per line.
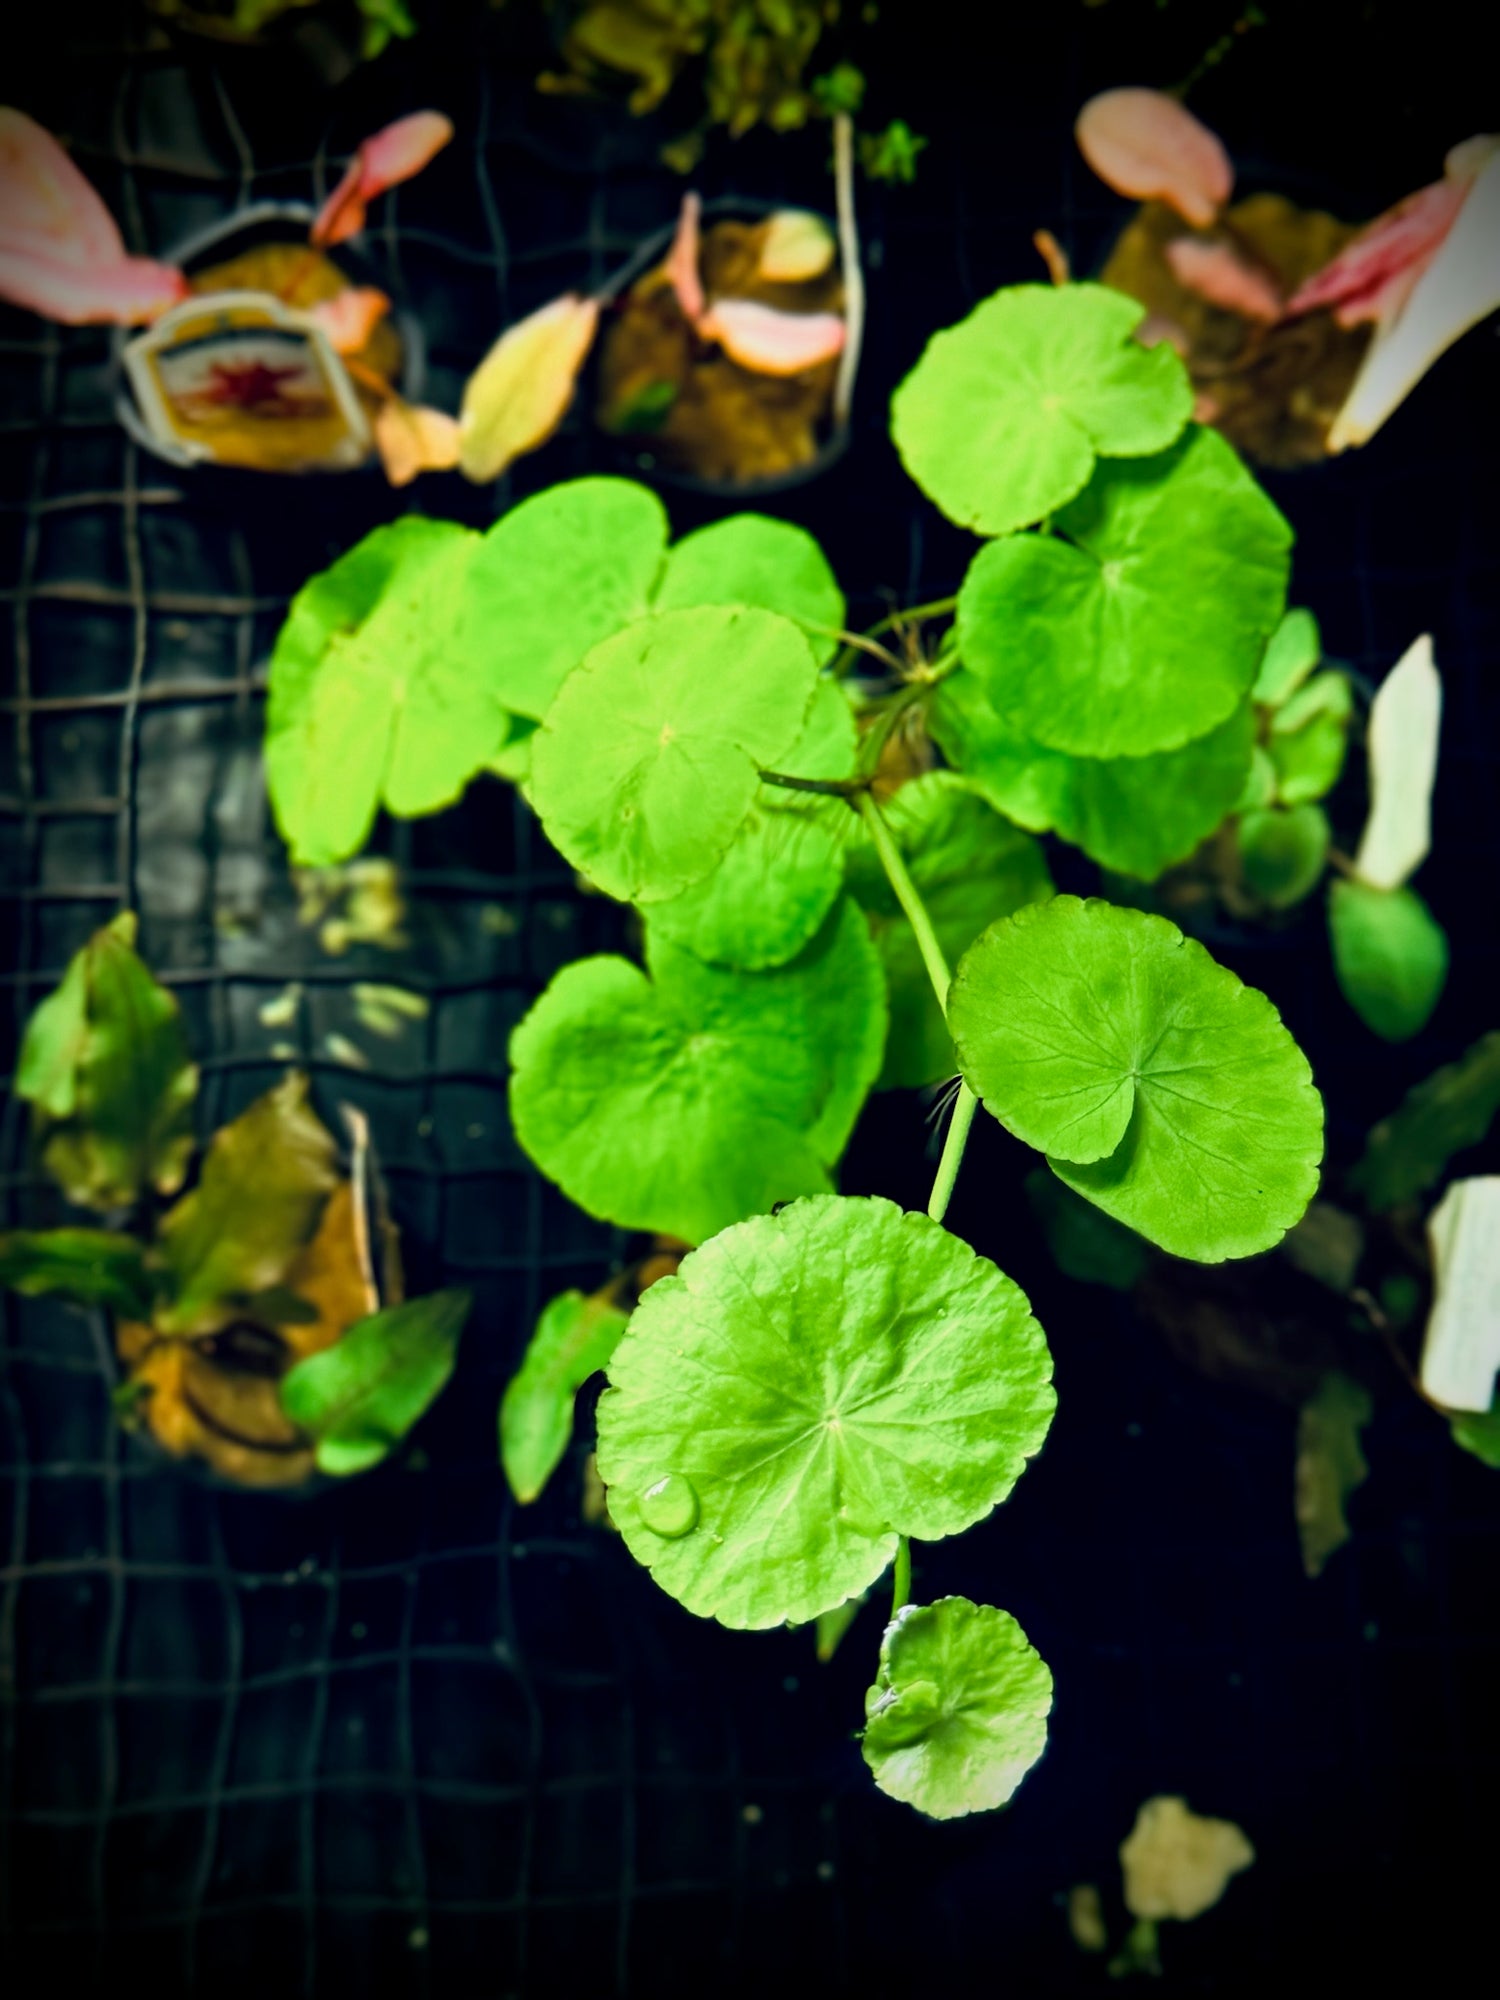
(1157,1084)
(574,1339)
(1003,418)
(958,1714)
(1309,738)
(1294,649)
(1283,853)
(92,1266)
(104,1060)
(1390,955)
(868,1377)
(360,1397)
(685,1101)
(1453,1109)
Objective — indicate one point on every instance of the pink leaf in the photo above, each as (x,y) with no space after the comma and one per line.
(46,205)
(127,292)
(682,261)
(1147,146)
(1217,272)
(1372,276)
(392,155)
(771,342)
(413,438)
(351,316)
(520,392)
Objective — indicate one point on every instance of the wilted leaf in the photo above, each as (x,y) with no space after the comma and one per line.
(359,1398)
(1225,277)
(1453,1109)
(1177,1863)
(794,246)
(573,1339)
(390,156)
(1330,1465)
(1403,750)
(520,392)
(350,317)
(1147,145)
(771,342)
(1461,1353)
(682,260)
(104,1060)
(412,438)
(93,1266)
(1326,1244)
(265,1181)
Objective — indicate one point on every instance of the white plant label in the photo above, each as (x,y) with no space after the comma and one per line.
(1403,739)
(1462,1351)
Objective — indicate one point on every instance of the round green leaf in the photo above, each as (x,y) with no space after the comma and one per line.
(1137,815)
(1294,649)
(649,759)
(785,866)
(821,1381)
(1144,629)
(958,1715)
(1390,954)
(969,866)
(373,698)
(1157,1084)
(554,576)
(685,1101)
(1002,418)
(1283,853)
(751,559)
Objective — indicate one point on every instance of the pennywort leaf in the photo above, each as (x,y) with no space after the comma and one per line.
(361,1396)
(648,761)
(556,575)
(265,1182)
(869,1377)
(1390,954)
(750,559)
(93,1266)
(1283,852)
(686,1100)
(1453,1109)
(375,699)
(104,1062)
(573,1340)
(1003,417)
(958,1713)
(1158,1086)
(1309,736)
(1141,626)
(1294,649)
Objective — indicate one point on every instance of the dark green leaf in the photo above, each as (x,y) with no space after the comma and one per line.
(93,1266)
(1390,954)
(810,1386)
(258,1202)
(360,1397)
(105,1061)
(1479,1434)
(1283,853)
(1085,1243)
(1454,1108)
(958,1714)
(574,1338)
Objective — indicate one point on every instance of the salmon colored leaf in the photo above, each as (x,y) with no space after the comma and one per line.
(413,438)
(520,392)
(394,154)
(1372,279)
(1217,272)
(770,342)
(129,292)
(682,261)
(351,316)
(1147,146)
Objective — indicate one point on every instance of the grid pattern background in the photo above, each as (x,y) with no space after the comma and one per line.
(398,1738)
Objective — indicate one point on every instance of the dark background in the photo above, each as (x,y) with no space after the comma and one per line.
(400,1738)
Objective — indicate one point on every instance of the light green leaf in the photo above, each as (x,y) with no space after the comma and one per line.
(1283,853)
(1390,954)
(685,1101)
(810,1386)
(751,559)
(958,1714)
(1138,815)
(1002,418)
(1260,783)
(574,1339)
(1405,717)
(969,866)
(1086,1244)
(556,575)
(648,761)
(376,697)
(1309,738)
(1144,629)
(1479,1434)
(93,1266)
(1294,649)
(1158,1086)
(260,1197)
(104,1060)
(361,1396)
(1452,1110)
(785,865)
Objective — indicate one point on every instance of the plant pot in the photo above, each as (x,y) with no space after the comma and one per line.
(143,393)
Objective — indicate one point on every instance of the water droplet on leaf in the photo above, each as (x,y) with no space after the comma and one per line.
(669,1506)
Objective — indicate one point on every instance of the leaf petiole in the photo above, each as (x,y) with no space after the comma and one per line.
(901,1576)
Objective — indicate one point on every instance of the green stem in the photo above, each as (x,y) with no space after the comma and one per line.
(901,1581)
(905,891)
(939,608)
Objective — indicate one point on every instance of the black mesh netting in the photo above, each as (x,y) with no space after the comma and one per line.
(399,1738)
